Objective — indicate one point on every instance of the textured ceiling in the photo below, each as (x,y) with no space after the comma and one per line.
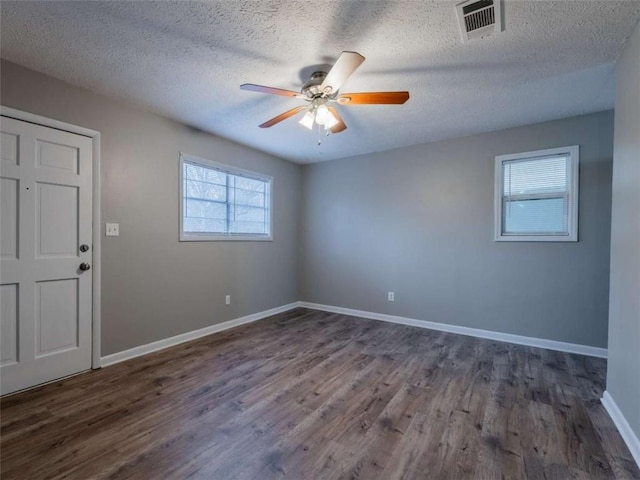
(185,60)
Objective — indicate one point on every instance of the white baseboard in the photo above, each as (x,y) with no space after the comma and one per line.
(473,332)
(627,434)
(185,337)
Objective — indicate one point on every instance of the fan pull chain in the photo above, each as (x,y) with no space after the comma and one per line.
(319,135)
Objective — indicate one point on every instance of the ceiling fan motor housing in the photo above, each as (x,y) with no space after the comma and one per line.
(312,87)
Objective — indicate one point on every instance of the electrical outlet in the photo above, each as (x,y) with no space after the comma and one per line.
(227,300)
(112,229)
(391,296)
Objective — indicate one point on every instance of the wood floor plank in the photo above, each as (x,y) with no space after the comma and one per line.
(316,395)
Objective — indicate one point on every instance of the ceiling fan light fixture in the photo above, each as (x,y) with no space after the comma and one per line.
(307,120)
(323,115)
(331,122)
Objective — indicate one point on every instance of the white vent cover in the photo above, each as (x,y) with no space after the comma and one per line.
(479,18)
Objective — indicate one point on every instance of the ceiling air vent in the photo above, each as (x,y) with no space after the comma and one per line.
(479,18)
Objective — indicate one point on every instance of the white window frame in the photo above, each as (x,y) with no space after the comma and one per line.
(573,152)
(206,237)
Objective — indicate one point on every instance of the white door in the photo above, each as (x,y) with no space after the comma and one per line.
(45,243)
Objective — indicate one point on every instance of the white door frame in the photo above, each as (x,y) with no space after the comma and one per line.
(96,227)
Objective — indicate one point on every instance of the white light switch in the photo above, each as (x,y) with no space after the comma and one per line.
(112,229)
(227,300)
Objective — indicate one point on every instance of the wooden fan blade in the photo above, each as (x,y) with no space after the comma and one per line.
(271,90)
(282,116)
(373,98)
(340,126)
(346,64)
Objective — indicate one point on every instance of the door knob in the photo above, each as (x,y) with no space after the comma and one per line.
(84,266)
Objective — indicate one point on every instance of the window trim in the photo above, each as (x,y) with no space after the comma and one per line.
(209,237)
(573,152)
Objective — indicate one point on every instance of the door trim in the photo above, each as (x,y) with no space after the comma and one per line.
(96,223)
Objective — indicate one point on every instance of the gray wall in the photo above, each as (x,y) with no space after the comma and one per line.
(623,375)
(419,221)
(153,286)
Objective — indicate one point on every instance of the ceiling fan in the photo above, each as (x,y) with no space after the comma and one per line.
(321,92)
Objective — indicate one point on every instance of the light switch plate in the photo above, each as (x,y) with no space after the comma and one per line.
(112,229)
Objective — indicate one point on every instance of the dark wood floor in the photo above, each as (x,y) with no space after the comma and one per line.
(311,395)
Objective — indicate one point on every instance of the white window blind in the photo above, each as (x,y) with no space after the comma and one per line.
(219,201)
(537,195)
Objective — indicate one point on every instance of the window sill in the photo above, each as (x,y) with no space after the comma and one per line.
(225,238)
(536,238)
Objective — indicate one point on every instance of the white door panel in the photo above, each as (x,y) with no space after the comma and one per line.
(9,213)
(46,216)
(9,324)
(56,220)
(9,150)
(61,157)
(56,316)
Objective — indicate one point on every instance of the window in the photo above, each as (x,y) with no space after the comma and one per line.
(219,202)
(536,197)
